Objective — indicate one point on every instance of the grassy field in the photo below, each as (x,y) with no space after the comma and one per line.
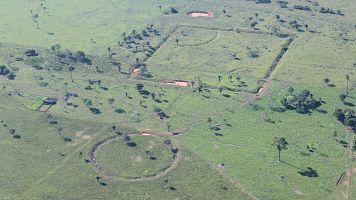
(150,157)
(79,25)
(249,154)
(241,59)
(224,137)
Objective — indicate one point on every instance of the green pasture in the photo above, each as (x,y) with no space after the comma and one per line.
(311,59)
(216,53)
(224,137)
(246,146)
(79,25)
(148,157)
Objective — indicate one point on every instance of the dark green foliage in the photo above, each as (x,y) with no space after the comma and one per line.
(31,53)
(302,103)
(299,7)
(95,110)
(87,102)
(253,54)
(346,117)
(281,144)
(120,110)
(339,115)
(160,113)
(4,70)
(16,136)
(174,11)
(67,139)
(263,1)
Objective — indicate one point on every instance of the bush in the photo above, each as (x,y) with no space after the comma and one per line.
(120,110)
(95,110)
(253,54)
(4,70)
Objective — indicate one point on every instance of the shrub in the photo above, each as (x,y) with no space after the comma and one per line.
(253,54)
(95,110)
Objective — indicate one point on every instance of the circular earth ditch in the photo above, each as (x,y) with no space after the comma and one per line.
(141,157)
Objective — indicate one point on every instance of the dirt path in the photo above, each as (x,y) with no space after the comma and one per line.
(351,169)
(237,185)
(99,170)
(262,92)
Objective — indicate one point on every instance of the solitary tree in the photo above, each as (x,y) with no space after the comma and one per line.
(219,77)
(281,144)
(71,69)
(326,81)
(220,89)
(347,76)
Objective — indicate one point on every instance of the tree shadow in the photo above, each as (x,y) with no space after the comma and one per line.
(291,165)
(309,172)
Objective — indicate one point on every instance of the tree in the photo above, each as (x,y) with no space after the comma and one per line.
(111,101)
(200,86)
(126,138)
(342,97)
(281,144)
(71,69)
(339,115)
(137,59)
(326,81)
(219,77)
(3,70)
(347,76)
(230,77)
(177,40)
(220,89)
(290,90)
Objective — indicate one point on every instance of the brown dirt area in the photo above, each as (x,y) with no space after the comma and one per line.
(200,14)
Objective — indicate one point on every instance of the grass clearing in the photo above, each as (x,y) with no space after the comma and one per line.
(240,59)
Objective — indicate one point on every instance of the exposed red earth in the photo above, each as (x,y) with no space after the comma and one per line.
(199,14)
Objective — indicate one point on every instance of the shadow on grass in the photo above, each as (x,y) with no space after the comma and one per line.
(309,172)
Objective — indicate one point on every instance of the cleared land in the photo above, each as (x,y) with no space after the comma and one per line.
(225,138)
(192,54)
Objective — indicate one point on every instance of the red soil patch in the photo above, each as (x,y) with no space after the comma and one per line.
(44,108)
(199,14)
(178,83)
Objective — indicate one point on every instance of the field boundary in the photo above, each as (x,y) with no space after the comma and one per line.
(271,68)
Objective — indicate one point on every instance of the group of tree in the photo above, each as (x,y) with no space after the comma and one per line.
(262,1)
(128,141)
(302,102)
(4,71)
(330,11)
(31,53)
(346,117)
(12,131)
(140,89)
(68,57)
(160,113)
(139,41)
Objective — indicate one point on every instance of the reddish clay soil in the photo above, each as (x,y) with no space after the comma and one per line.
(44,108)
(199,14)
(177,83)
